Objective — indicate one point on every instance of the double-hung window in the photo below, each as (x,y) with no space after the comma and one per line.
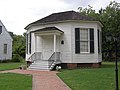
(84,40)
(5,49)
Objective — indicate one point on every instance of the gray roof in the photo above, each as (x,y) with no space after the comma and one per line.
(62,16)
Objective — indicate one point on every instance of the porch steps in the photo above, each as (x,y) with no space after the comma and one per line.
(39,65)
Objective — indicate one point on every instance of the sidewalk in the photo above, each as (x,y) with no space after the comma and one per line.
(43,80)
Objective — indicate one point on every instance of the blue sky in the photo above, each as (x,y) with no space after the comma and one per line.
(16,14)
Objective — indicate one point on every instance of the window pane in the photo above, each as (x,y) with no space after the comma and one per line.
(83,40)
(84,34)
(83,46)
(5,48)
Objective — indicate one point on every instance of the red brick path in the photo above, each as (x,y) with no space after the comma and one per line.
(43,80)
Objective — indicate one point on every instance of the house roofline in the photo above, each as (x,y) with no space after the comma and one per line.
(64,21)
(48,28)
(6,29)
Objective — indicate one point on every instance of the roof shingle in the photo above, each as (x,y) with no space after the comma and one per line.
(62,16)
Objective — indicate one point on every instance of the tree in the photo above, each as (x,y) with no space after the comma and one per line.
(89,11)
(110,18)
(19,45)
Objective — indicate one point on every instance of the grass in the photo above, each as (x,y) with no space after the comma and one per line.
(9,66)
(10,81)
(91,79)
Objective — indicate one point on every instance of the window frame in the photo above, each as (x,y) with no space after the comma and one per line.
(5,49)
(88,40)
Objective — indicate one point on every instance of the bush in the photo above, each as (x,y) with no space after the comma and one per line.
(17,58)
(5,61)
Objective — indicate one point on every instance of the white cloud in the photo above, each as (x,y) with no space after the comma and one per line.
(98,4)
(16,14)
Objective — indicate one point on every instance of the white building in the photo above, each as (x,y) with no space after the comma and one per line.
(69,39)
(5,43)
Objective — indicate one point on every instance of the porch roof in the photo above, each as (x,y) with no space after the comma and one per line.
(48,29)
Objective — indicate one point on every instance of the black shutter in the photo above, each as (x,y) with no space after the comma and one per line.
(30,44)
(27,43)
(77,40)
(91,40)
(98,41)
(0,29)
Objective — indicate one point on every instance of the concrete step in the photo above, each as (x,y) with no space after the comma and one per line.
(38,69)
(39,65)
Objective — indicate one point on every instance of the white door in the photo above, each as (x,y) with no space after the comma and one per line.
(47,47)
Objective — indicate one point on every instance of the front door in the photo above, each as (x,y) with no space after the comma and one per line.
(47,46)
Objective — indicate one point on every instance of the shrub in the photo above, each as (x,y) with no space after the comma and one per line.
(5,61)
(17,58)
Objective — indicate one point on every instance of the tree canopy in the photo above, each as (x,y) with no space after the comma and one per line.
(19,45)
(110,18)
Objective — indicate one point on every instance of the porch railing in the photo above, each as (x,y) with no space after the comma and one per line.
(53,59)
(35,56)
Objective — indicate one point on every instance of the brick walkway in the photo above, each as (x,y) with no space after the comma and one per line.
(43,80)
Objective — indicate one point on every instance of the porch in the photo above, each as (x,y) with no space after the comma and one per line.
(45,49)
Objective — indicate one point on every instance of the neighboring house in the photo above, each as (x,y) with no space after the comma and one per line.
(69,39)
(5,43)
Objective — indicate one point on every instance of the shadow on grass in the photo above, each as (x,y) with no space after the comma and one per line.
(109,64)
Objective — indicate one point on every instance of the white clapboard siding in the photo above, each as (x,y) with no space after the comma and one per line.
(5,38)
(67,50)
(85,57)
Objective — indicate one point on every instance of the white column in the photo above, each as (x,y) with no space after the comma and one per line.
(54,42)
(35,43)
(55,45)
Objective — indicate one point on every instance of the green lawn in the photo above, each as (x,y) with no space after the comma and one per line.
(10,81)
(91,79)
(9,66)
